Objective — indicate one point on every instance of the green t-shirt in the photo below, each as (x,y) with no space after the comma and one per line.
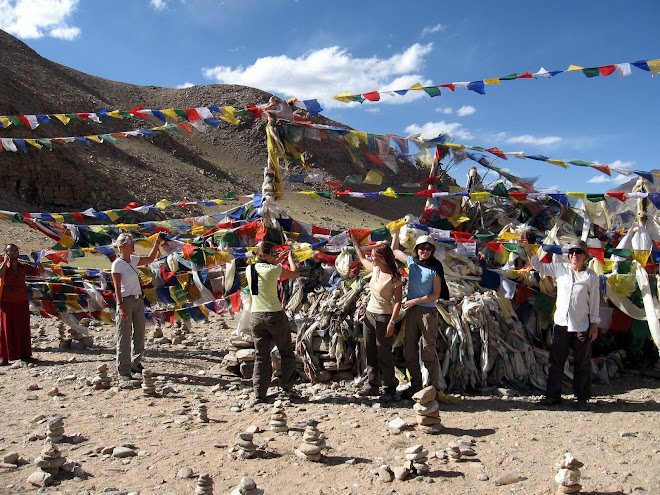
(267,301)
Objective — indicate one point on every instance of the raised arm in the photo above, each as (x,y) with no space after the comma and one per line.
(398,253)
(363,259)
(145,260)
(293,271)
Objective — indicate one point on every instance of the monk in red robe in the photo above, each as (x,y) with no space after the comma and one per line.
(15,340)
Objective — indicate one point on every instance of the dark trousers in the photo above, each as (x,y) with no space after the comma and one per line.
(422,325)
(562,340)
(269,329)
(378,350)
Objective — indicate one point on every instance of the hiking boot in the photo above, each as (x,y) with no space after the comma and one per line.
(368,391)
(550,401)
(4,362)
(389,394)
(29,360)
(582,405)
(138,369)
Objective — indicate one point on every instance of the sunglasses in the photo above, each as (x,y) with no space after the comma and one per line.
(424,248)
(575,251)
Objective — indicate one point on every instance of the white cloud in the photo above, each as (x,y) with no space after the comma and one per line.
(616,178)
(38,18)
(445,110)
(330,71)
(185,85)
(158,4)
(432,129)
(465,110)
(529,139)
(432,29)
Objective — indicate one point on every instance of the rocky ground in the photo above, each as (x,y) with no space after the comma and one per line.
(167,447)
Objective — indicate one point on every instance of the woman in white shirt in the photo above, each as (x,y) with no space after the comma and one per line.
(576,320)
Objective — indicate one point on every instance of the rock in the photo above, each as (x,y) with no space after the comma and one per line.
(627,434)
(427,420)
(425,395)
(483,477)
(53,392)
(415,449)
(121,452)
(40,479)
(33,386)
(568,477)
(185,473)
(569,489)
(427,408)
(56,463)
(245,354)
(247,483)
(401,472)
(10,458)
(385,475)
(422,454)
(508,478)
(396,425)
(309,449)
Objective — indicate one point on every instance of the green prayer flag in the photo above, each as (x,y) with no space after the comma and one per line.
(14,120)
(181,113)
(432,90)
(108,137)
(353,179)
(500,190)
(46,143)
(485,237)
(381,233)
(544,303)
(509,77)
(591,71)
(595,198)
(73,116)
(580,163)
(358,98)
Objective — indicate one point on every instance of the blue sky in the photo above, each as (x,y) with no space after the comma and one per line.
(312,49)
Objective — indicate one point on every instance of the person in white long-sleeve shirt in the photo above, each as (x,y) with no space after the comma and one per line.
(576,320)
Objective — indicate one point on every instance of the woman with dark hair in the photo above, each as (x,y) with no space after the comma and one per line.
(426,284)
(268,321)
(15,340)
(378,326)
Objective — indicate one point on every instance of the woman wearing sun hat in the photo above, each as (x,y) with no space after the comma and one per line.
(576,320)
(426,284)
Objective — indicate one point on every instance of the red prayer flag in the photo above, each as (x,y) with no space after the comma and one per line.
(603,168)
(432,179)
(621,196)
(192,114)
(606,70)
(497,152)
(334,185)
(523,294)
(235,301)
(345,192)
(526,75)
(372,96)
(24,119)
(451,87)
(78,216)
(426,192)
(374,158)
(520,196)
(498,247)
(254,110)
(462,236)
(131,205)
(188,250)
(598,253)
(320,230)
(185,126)
(326,258)
(360,234)
(136,111)
(83,116)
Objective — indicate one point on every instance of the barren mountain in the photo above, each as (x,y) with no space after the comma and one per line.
(171,164)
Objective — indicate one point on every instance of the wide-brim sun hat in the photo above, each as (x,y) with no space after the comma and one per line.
(579,244)
(425,239)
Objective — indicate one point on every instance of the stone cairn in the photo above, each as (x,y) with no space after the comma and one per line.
(240,358)
(101,381)
(569,474)
(148,383)
(277,422)
(313,443)
(50,461)
(55,430)
(247,486)
(419,459)
(427,414)
(201,413)
(204,485)
(244,446)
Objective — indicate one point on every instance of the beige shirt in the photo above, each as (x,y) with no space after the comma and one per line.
(381,301)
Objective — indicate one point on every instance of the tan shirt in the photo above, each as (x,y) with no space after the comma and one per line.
(381,301)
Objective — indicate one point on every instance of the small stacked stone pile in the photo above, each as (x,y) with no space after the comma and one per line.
(50,460)
(184,410)
(240,358)
(313,443)
(277,421)
(201,413)
(101,381)
(204,485)
(55,430)
(569,474)
(148,383)
(247,486)
(178,335)
(453,452)
(426,410)
(419,459)
(244,445)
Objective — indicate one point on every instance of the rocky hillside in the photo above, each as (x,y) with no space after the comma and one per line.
(170,165)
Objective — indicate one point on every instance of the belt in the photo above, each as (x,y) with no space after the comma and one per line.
(133,296)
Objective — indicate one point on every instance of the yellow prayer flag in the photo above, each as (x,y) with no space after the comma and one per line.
(127,226)
(57,217)
(223,256)
(491,81)
(374,177)
(66,241)
(456,189)
(454,145)
(107,317)
(608,266)
(390,193)
(361,135)
(641,256)
(151,295)
(73,306)
(654,65)
(506,235)
(395,225)
(183,279)
(229,115)
(96,139)
(33,142)
(479,196)
(170,113)
(558,162)
(112,214)
(115,114)
(352,140)
(346,97)
(198,230)
(204,311)
(162,204)
(458,219)
(579,195)
(573,68)
(311,194)
(5,121)
(303,253)
(417,86)
(62,118)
